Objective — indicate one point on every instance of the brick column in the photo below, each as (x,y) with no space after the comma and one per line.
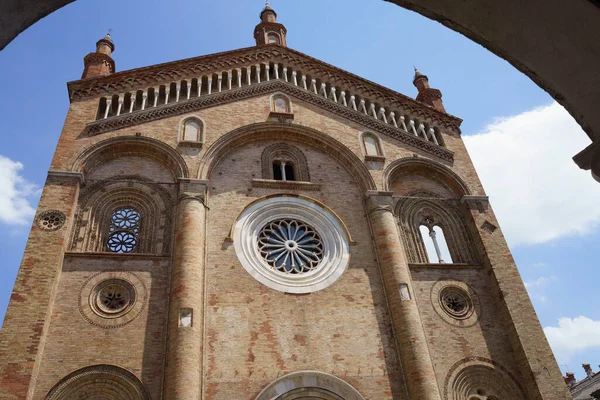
(23,336)
(186,315)
(410,335)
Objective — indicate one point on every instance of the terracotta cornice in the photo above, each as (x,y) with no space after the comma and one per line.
(141,78)
(216,99)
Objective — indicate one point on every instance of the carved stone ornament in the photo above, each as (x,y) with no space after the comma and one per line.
(51,220)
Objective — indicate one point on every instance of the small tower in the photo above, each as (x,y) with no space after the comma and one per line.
(268,31)
(100,63)
(427,95)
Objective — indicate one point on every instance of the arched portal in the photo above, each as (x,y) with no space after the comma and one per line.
(99,382)
(313,385)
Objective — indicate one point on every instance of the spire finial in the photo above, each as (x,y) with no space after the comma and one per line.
(109,31)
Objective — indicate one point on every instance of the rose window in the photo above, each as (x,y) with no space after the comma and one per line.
(290,246)
(112,298)
(51,220)
(124,230)
(456,302)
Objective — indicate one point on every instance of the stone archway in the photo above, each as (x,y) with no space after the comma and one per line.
(554,45)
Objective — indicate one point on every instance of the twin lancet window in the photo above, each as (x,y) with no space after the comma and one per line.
(435,242)
(283,170)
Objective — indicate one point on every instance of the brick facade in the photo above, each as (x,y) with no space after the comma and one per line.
(378,328)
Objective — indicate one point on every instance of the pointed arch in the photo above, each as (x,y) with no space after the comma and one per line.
(123,146)
(293,133)
(328,386)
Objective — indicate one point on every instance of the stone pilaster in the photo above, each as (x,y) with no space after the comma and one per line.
(23,336)
(186,319)
(410,335)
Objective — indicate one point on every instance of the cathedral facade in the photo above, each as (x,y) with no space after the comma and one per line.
(260,225)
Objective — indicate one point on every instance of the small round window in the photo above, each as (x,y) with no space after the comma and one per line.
(291,244)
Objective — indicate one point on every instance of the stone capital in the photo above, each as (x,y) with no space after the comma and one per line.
(193,189)
(75,177)
(379,201)
(480,203)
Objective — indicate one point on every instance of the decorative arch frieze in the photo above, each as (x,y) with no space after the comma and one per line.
(99,382)
(298,384)
(292,133)
(286,152)
(99,201)
(426,208)
(124,146)
(478,378)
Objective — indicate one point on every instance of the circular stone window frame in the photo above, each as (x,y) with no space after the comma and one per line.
(334,236)
(466,319)
(57,214)
(94,314)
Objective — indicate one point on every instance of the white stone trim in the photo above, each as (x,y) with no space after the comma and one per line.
(363,148)
(289,99)
(331,230)
(180,128)
(309,379)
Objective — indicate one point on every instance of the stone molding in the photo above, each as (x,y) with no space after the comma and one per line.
(141,78)
(336,251)
(77,176)
(217,99)
(485,369)
(285,185)
(480,203)
(99,380)
(309,379)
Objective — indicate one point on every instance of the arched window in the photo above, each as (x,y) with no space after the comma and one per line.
(281,104)
(435,243)
(371,145)
(273,38)
(284,162)
(191,131)
(124,230)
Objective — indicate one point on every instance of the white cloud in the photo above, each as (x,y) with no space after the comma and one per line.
(14,192)
(537,191)
(573,336)
(542,281)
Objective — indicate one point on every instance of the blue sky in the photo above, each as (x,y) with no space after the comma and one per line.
(519,139)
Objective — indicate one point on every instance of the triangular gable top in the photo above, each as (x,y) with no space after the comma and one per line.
(324,74)
(131,97)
